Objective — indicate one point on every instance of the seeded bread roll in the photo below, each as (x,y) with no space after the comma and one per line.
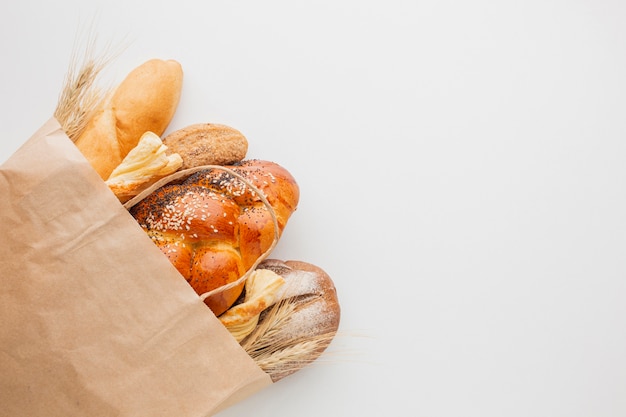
(214,228)
(207,144)
(146,100)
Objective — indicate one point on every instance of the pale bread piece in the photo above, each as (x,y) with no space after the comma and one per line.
(261,290)
(145,164)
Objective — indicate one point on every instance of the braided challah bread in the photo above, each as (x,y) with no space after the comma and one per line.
(213,227)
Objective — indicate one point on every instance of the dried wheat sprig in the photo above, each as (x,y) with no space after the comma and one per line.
(81,97)
(266,332)
(279,356)
(292,356)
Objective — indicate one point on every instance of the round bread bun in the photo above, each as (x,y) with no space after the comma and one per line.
(314,320)
(207,144)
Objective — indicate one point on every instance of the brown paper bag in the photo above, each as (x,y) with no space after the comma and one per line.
(95,321)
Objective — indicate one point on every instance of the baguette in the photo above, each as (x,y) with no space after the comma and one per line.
(145,100)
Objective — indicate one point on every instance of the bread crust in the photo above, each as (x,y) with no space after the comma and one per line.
(317,315)
(145,100)
(214,228)
(207,144)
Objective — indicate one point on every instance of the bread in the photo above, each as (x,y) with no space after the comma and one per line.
(207,144)
(212,225)
(214,228)
(310,299)
(144,165)
(145,100)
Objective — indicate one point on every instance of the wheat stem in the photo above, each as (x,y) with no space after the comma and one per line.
(81,97)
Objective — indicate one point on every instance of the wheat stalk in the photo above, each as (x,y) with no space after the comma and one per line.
(81,97)
(296,354)
(279,356)
(268,330)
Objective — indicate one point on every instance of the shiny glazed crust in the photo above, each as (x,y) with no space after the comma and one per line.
(213,227)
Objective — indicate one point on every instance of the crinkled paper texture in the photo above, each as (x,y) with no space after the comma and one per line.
(95,321)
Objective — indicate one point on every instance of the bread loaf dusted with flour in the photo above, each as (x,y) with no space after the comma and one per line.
(302,323)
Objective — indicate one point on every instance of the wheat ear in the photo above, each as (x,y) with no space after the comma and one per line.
(277,355)
(81,97)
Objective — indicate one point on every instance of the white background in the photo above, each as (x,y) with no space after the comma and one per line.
(461,166)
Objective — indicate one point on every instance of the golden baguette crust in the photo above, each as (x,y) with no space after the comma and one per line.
(145,100)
